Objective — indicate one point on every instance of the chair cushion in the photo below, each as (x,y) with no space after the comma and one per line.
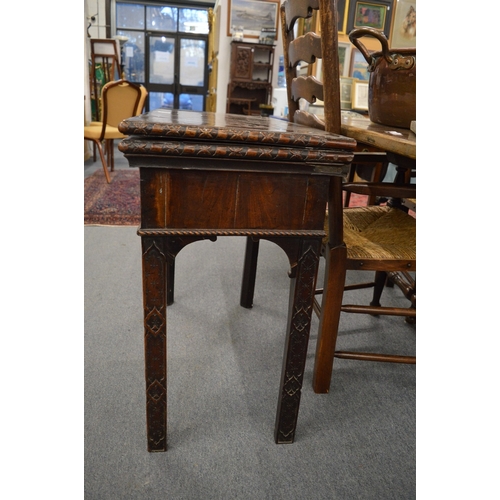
(113,133)
(379,232)
(93,131)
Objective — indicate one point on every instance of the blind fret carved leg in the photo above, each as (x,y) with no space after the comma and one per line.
(302,286)
(154,264)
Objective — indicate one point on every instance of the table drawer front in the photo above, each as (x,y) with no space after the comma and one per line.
(249,200)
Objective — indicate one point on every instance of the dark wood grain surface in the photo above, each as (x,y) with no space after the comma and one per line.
(207,126)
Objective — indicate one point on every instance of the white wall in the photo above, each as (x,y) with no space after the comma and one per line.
(97,8)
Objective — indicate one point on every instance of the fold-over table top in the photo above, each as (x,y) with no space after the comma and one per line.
(228,128)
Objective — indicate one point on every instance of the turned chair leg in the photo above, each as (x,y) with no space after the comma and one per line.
(103,161)
(112,152)
(380,281)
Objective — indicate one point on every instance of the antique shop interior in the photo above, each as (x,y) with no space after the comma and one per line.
(178,70)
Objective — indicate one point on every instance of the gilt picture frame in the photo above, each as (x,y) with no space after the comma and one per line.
(343,10)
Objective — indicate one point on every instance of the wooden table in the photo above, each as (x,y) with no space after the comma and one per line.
(205,175)
(400,142)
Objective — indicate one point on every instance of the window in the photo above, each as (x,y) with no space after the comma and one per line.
(166,50)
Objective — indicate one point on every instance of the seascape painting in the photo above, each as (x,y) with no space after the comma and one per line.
(253,16)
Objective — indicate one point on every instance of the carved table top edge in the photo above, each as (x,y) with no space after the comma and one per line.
(208,126)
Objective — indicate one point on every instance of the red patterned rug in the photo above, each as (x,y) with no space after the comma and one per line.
(114,204)
(118,203)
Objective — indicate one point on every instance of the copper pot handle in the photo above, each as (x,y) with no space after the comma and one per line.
(379,35)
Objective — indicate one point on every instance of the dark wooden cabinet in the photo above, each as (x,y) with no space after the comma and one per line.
(250,79)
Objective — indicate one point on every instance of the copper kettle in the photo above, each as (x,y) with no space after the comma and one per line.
(393,80)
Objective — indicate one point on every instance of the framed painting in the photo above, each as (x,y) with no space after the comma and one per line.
(342,8)
(346,92)
(309,24)
(344,62)
(359,95)
(375,14)
(404,26)
(359,66)
(344,58)
(251,16)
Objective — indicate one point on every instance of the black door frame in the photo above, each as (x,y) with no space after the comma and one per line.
(176,88)
(182,89)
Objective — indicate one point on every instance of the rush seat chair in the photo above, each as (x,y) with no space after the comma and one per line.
(379,239)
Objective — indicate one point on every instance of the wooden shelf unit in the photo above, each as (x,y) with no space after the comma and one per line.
(250,79)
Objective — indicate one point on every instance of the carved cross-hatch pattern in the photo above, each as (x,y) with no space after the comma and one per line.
(177,149)
(298,340)
(154,263)
(154,322)
(252,130)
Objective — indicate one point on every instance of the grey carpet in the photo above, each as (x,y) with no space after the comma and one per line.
(224,365)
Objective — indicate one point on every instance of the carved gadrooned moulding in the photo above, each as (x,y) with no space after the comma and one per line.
(182,149)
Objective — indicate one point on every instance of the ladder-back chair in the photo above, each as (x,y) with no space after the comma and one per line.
(374,238)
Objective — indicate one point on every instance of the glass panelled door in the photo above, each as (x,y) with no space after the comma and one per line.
(177,75)
(166,51)
(193,73)
(161,70)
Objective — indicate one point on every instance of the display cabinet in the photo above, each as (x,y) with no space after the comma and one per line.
(250,79)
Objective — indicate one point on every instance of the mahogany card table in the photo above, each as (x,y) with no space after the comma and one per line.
(204,175)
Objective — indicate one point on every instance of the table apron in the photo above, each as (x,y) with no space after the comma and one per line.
(236,202)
